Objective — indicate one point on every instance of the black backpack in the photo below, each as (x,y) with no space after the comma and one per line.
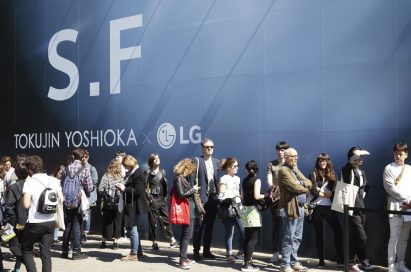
(47,201)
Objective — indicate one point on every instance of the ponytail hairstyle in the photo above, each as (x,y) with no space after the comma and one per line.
(252,167)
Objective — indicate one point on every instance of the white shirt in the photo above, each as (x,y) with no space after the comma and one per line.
(232,186)
(33,186)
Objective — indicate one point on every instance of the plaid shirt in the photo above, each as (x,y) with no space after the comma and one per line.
(84,175)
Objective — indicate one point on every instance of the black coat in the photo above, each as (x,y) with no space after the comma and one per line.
(135,197)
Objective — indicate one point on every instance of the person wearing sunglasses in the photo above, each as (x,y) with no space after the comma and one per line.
(352,173)
(206,177)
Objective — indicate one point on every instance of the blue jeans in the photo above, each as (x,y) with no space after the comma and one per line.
(73,220)
(139,226)
(229,224)
(292,236)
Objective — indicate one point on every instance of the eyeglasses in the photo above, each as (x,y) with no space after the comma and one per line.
(208,146)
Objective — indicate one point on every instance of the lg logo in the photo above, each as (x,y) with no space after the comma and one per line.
(167,135)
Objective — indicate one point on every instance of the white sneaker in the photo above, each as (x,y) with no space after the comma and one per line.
(276,257)
(391,268)
(402,267)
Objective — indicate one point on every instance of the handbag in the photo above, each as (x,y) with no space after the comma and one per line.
(179,210)
(60,215)
(345,194)
(230,208)
(196,196)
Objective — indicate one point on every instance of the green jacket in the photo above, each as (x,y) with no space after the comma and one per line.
(290,188)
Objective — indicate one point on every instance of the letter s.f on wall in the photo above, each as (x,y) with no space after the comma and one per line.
(63,65)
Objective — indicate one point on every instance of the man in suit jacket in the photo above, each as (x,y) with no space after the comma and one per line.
(208,174)
(293,188)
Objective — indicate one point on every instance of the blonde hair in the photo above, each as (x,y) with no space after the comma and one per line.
(185,167)
(114,168)
(129,161)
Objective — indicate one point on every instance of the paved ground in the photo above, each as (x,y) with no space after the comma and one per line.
(164,260)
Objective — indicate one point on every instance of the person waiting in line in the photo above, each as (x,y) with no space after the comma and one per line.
(397,184)
(272,181)
(157,188)
(293,188)
(183,189)
(228,191)
(92,198)
(59,172)
(110,195)
(252,218)
(208,174)
(10,177)
(135,204)
(323,180)
(352,173)
(15,214)
(39,227)
(73,218)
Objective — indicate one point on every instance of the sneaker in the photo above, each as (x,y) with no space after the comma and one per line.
(191,261)
(392,268)
(155,246)
(174,244)
(276,257)
(103,245)
(130,257)
(401,266)
(208,255)
(297,266)
(197,257)
(321,264)
(230,259)
(355,268)
(365,264)
(64,255)
(184,264)
(78,256)
(115,246)
(240,255)
(286,269)
(249,268)
(140,254)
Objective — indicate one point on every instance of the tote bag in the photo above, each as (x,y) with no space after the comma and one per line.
(179,210)
(345,194)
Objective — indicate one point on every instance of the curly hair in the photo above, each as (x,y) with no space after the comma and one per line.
(185,167)
(114,168)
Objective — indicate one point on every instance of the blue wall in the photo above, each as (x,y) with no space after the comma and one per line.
(324,75)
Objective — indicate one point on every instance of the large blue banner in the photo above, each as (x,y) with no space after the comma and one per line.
(158,76)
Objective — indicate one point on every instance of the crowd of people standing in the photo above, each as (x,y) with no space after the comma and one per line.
(210,188)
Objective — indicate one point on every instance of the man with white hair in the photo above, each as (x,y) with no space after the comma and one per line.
(293,189)
(351,173)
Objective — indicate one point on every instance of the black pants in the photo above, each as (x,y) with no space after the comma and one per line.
(358,238)
(112,223)
(186,235)
(159,215)
(37,232)
(250,240)
(319,214)
(15,247)
(206,225)
(276,231)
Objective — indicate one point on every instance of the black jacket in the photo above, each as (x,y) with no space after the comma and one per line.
(14,210)
(346,172)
